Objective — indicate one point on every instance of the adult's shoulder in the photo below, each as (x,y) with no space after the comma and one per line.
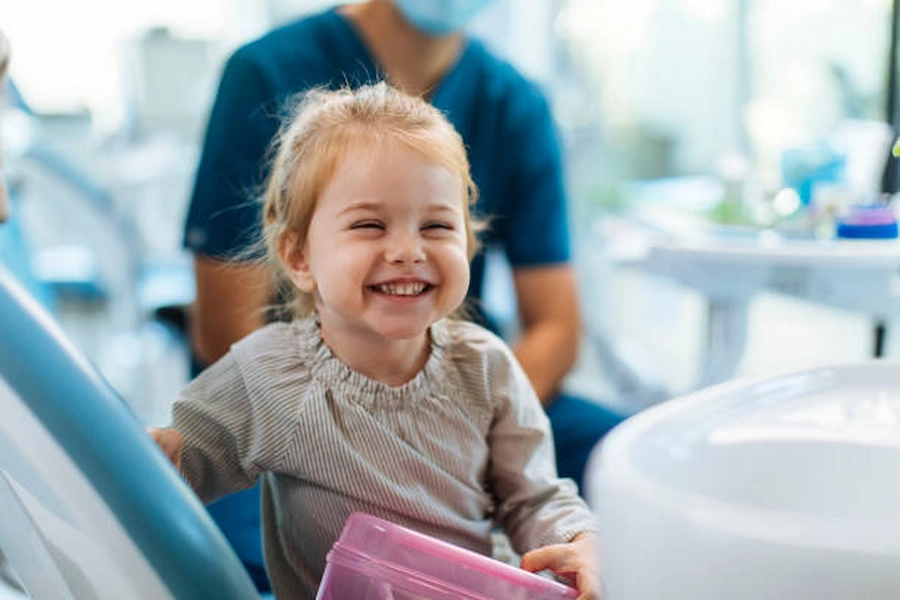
(299,35)
(501,81)
(309,47)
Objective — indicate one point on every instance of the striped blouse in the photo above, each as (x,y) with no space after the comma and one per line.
(460,448)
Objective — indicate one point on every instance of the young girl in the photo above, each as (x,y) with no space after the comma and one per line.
(373,399)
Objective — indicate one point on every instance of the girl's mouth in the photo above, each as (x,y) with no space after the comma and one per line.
(403,289)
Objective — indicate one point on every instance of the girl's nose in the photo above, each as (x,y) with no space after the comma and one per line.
(405,248)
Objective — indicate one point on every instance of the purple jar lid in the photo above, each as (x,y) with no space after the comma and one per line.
(869,215)
(872,222)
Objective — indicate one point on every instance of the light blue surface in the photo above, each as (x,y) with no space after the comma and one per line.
(15,253)
(98,431)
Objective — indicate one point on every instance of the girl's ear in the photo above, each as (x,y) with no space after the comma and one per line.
(293,256)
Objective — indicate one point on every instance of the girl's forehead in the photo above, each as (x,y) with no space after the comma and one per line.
(369,149)
(370,178)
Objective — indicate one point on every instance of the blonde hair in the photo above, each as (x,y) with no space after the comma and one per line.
(324,128)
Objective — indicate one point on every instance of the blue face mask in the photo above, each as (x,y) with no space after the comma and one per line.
(439,17)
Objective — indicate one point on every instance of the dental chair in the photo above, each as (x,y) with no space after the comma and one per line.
(89,507)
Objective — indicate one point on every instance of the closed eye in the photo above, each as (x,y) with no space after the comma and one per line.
(367,225)
(437,225)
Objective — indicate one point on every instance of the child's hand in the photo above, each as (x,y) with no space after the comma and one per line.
(170,442)
(576,561)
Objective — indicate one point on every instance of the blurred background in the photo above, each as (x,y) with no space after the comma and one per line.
(707,108)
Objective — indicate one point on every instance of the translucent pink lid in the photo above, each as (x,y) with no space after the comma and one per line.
(397,550)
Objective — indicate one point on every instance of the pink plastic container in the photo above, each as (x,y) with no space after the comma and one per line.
(378,560)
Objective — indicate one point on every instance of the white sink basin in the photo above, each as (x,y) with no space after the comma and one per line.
(778,489)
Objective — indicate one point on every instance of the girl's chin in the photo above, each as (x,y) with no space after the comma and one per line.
(402,327)
(402,331)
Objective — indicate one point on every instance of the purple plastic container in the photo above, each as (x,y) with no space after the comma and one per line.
(378,560)
(868,222)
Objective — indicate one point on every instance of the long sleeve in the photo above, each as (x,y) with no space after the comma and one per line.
(237,416)
(214,416)
(535,506)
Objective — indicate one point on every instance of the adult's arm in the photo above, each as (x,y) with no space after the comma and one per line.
(230,303)
(548,308)
(223,217)
(534,229)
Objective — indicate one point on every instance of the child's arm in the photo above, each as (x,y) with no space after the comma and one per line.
(170,441)
(236,418)
(576,561)
(536,508)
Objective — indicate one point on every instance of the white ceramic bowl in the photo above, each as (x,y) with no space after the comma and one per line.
(779,489)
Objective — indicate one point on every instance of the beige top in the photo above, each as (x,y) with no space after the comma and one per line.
(462,446)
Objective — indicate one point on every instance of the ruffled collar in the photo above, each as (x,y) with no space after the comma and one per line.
(330,370)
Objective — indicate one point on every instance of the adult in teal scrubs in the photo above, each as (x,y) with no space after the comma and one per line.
(514,152)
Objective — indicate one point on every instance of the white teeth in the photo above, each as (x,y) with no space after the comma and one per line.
(402,289)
